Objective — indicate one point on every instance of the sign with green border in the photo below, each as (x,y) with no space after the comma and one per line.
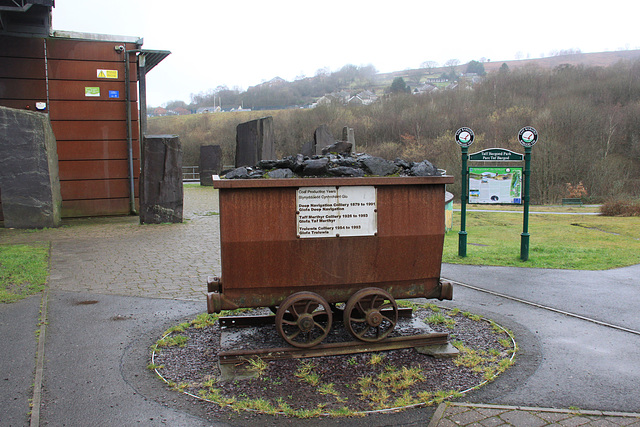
(91,91)
(496,155)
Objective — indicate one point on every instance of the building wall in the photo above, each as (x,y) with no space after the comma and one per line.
(91,131)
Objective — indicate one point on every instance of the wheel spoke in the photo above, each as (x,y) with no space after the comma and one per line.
(392,322)
(294,334)
(322,328)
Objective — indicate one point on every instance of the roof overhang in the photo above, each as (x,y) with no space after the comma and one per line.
(152,57)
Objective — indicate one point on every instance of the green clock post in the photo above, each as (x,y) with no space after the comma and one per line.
(527,137)
(464,138)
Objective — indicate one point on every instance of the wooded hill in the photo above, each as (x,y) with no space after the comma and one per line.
(586,116)
(278,93)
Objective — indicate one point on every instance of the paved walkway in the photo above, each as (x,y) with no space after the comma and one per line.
(464,414)
(118,256)
(115,285)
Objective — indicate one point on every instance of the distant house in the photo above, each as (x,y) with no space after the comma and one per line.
(180,111)
(325,100)
(367,97)
(425,88)
(205,110)
(355,100)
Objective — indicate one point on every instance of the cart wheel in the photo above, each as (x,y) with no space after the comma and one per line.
(364,318)
(304,319)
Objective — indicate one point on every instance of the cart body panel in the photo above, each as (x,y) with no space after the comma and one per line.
(264,260)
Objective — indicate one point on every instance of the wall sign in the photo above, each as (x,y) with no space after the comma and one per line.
(114,94)
(107,74)
(336,211)
(91,91)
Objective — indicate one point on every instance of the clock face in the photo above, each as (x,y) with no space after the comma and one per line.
(464,137)
(527,136)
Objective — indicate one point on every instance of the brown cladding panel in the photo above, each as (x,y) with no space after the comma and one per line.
(97,207)
(75,90)
(94,150)
(92,110)
(86,70)
(21,47)
(96,189)
(92,130)
(21,104)
(86,50)
(96,169)
(23,89)
(22,68)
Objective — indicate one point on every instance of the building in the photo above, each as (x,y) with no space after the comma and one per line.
(89,85)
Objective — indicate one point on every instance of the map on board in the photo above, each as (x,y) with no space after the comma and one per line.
(494,185)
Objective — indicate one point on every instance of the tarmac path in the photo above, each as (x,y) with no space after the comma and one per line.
(116,285)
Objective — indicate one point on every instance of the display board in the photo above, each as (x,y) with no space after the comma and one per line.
(495,185)
(336,211)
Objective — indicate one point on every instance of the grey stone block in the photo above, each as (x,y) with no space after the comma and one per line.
(29,180)
(255,141)
(161,190)
(210,163)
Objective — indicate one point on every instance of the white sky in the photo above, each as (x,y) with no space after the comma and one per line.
(245,42)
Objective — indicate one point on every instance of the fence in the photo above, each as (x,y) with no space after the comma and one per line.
(190,174)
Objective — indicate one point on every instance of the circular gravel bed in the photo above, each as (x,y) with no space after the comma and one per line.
(186,358)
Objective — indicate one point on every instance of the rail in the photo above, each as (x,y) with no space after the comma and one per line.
(190,174)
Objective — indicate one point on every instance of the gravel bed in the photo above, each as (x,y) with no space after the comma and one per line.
(340,385)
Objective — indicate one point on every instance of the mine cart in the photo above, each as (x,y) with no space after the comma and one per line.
(310,247)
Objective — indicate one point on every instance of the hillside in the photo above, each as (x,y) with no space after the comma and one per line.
(597,59)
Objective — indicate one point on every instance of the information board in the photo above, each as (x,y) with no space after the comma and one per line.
(495,185)
(336,211)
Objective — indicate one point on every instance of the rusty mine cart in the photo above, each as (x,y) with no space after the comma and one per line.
(304,246)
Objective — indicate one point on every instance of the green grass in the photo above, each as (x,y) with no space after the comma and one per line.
(581,242)
(23,271)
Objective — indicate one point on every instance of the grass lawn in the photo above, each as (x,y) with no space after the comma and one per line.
(581,242)
(24,270)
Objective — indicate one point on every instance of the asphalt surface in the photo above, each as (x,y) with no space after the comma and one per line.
(116,285)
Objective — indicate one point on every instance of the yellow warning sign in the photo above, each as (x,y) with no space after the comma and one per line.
(107,74)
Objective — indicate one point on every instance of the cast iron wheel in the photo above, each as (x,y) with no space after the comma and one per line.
(364,317)
(304,319)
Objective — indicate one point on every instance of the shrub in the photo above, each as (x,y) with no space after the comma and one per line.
(621,208)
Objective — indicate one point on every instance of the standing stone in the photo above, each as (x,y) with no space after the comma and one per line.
(255,141)
(210,163)
(308,149)
(349,136)
(161,191)
(29,180)
(322,137)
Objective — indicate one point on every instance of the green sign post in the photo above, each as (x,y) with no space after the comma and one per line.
(464,138)
(527,137)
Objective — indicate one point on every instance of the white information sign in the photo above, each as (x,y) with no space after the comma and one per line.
(336,211)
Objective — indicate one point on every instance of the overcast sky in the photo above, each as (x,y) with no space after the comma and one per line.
(245,42)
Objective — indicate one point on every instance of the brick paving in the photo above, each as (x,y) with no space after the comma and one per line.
(118,256)
(479,415)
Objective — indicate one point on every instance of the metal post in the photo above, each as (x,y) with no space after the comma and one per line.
(127,91)
(462,235)
(524,237)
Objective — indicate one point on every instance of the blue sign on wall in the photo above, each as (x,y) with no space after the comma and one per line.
(114,94)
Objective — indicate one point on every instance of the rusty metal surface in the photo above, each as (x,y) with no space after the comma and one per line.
(269,319)
(264,261)
(333,349)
